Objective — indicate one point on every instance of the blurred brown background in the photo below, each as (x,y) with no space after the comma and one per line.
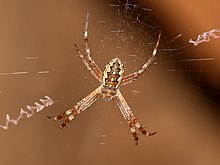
(182,105)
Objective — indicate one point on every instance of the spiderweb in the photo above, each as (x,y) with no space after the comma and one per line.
(38,59)
(128,29)
(132,29)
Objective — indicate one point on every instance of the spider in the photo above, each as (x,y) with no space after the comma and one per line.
(111,80)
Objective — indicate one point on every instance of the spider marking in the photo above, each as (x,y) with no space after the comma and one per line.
(111,80)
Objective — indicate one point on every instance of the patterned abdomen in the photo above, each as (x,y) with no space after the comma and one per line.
(113,74)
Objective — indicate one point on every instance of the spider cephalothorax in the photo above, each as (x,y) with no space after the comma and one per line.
(111,79)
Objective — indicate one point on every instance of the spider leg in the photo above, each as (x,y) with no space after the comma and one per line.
(78,108)
(130,118)
(88,61)
(133,76)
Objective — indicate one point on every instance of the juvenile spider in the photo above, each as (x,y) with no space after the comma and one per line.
(111,79)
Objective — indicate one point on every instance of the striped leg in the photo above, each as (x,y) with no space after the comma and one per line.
(70,114)
(88,61)
(88,54)
(91,66)
(129,117)
(78,108)
(133,76)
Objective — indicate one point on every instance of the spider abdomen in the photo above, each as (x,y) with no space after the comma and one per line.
(113,74)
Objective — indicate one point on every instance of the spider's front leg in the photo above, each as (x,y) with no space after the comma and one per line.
(88,61)
(78,108)
(129,117)
(133,76)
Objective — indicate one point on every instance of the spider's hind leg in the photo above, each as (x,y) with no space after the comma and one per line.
(78,108)
(70,114)
(141,129)
(134,133)
(133,124)
(67,121)
(61,116)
